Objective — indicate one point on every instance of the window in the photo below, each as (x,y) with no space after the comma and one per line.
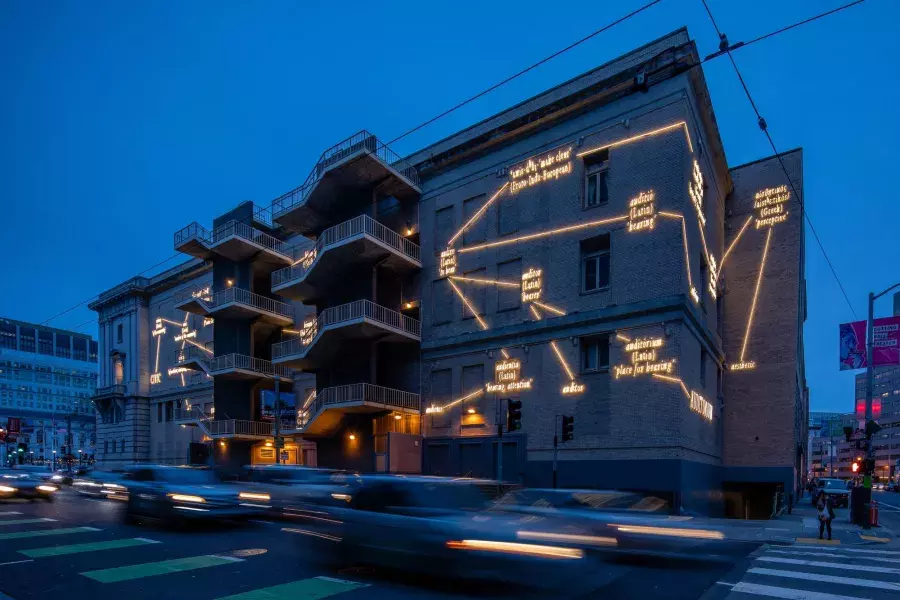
(441,302)
(118,371)
(596,190)
(476,232)
(105,446)
(704,268)
(441,394)
(444,222)
(120,333)
(594,353)
(472,381)
(159,413)
(7,335)
(509,298)
(507,214)
(475,294)
(114,447)
(702,367)
(595,263)
(169,410)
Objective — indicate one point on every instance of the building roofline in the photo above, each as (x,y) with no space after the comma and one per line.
(146,286)
(46,328)
(765,158)
(541,100)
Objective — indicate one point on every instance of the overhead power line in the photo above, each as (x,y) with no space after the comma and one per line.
(726,48)
(522,72)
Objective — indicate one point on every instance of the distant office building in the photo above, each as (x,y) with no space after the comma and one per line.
(588,252)
(47,379)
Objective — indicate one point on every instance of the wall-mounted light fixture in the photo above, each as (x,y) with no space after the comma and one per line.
(352,437)
(229,282)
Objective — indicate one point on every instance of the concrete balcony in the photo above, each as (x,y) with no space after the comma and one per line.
(322,416)
(109,392)
(234,240)
(359,241)
(235,303)
(339,325)
(240,366)
(357,163)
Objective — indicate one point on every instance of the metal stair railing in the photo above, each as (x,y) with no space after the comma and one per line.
(243,362)
(252,234)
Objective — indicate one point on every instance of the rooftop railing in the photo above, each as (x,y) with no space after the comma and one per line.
(351,311)
(359,141)
(362,224)
(195,231)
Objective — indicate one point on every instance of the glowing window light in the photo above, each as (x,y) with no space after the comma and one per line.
(641,136)
(469,306)
(537,170)
(485,281)
(762,267)
(541,234)
(478,214)
(532,285)
(448,262)
(562,361)
(700,405)
(734,242)
(552,309)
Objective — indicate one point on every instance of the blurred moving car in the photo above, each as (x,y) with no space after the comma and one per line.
(289,490)
(836,489)
(432,525)
(16,484)
(102,484)
(176,494)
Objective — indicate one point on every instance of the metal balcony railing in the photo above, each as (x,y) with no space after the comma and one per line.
(237,427)
(110,390)
(337,315)
(357,392)
(238,296)
(332,236)
(359,141)
(194,413)
(227,362)
(252,234)
(193,231)
(263,214)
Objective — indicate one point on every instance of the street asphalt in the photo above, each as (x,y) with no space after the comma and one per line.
(80,548)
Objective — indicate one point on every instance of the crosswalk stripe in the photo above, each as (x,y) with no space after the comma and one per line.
(88,547)
(853,550)
(307,589)
(44,532)
(826,564)
(788,593)
(164,567)
(869,583)
(26,521)
(833,555)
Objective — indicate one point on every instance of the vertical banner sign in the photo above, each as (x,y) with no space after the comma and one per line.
(885,345)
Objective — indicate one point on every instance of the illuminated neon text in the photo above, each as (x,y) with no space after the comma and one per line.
(155,378)
(769,205)
(534,171)
(532,285)
(642,212)
(448,262)
(701,406)
(573,388)
(743,366)
(695,191)
(514,386)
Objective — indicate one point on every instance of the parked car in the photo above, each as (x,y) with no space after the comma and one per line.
(433,525)
(836,489)
(176,494)
(16,484)
(289,490)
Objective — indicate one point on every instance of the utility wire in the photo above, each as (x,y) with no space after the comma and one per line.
(764,126)
(445,113)
(525,70)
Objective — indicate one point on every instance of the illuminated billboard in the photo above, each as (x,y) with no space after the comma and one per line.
(885,346)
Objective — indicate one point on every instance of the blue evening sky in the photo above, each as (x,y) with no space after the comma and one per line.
(121,122)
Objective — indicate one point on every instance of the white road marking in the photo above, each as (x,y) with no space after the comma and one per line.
(832,555)
(869,583)
(148,541)
(261,522)
(880,503)
(842,549)
(230,558)
(726,583)
(788,593)
(15,562)
(336,580)
(827,565)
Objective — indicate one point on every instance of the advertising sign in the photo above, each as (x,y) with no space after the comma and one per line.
(287,411)
(885,346)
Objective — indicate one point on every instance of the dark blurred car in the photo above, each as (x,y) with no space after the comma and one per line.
(432,525)
(836,489)
(289,490)
(102,484)
(176,494)
(16,484)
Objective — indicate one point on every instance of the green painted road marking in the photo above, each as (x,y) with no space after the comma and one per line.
(159,568)
(26,521)
(43,532)
(89,547)
(306,589)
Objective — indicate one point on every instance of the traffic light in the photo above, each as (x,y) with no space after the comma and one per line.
(513,414)
(568,428)
(855,467)
(871,429)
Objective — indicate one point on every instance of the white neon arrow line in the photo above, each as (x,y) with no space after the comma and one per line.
(540,234)
(562,361)
(641,136)
(762,267)
(674,380)
(733,244)
(687,256)
(486,281)
(477,215)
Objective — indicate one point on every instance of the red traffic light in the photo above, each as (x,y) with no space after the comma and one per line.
(855,467)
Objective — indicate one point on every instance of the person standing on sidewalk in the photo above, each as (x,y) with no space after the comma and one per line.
(825,508)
